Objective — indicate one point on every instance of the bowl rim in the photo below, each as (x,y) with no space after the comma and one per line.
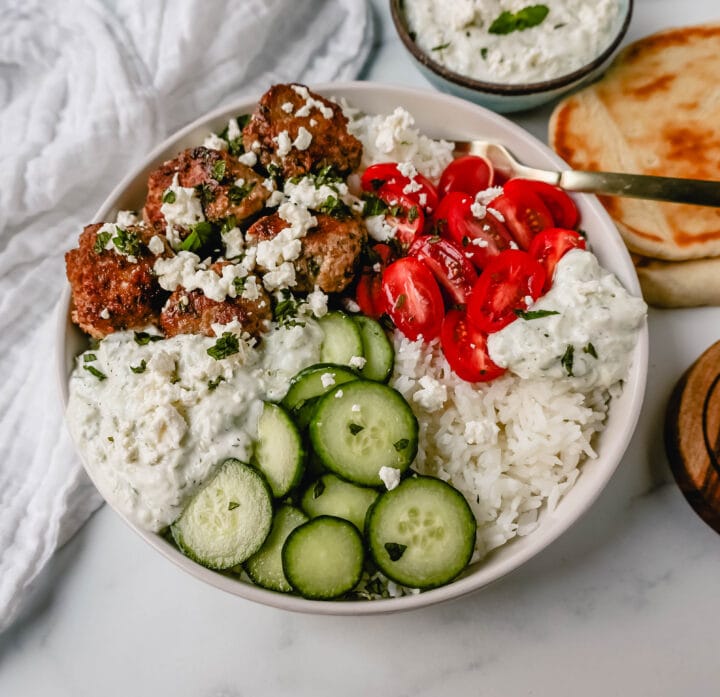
(501,88)
(634,387)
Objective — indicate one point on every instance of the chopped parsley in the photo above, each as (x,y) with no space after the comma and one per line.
(318,488)
(355,428)
(286,311)
(127,243)
(232,505)
(101,241)
(237,194)
(591,350)
(199,236)
(400,301)
(230,223)
(526,18)
(94,371)
(374,206)
(412,214)
(395,550)
(535,314)
(169,196)
(143,338)
(326,176)
(274,171)
(567,359)
(225,346)
(206,192)
(235,146)
(139,368)
(89,357)
(441,47)
(218,170)
(212,384)
(401,444)
(239,285)
(336,208)
(483,53)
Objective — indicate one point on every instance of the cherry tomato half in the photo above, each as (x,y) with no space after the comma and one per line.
(465,348)
(448,264)
(505,286)
(468,174)
(481,239)
(403,214)
(551,245)
(523,211)
(387,175)
(412,298)
(368,293)
(562,208)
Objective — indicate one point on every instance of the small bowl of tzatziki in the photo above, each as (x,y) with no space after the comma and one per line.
(511,55)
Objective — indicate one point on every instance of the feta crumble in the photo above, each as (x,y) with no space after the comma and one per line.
(390,477)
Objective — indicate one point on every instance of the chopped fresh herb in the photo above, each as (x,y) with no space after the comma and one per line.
(326,176)
(199,236)
(560,26)
(318,488)
(591,350)
(483,53)
(374,206)
(567,359)
(313,265)
(94,371)
(111,439)
(401,444)
(139,368)
(374,587)
(232,505)
(274,171)
(286,311)
(143,338)
(413,214)
(239,285)
(100,241)
(395,550)
(355,428)
(212,384)
(225,346)
(218,170)
(126,242)
(230,223)
(336,208)
(237,194)
(535,314)
(526,18)
(206,192)
(400,301)
(89,357)
(440,47)
(169,196)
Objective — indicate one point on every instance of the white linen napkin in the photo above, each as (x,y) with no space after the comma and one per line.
(86,89)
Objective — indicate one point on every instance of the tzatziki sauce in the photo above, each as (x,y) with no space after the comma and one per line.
(458,35)
(588,339)
(152,420)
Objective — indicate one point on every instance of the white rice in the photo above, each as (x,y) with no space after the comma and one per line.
(511,446)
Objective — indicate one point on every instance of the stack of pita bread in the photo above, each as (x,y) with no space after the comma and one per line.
(656,111)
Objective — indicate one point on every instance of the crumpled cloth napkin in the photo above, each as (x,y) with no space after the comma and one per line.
(86,89)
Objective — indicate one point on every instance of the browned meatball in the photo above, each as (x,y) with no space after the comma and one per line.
(191,312)
(215,173)
(331,143)
(329,252)
(111,291)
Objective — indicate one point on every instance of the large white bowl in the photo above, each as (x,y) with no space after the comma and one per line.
(437,115)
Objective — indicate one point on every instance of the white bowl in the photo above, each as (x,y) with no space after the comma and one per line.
(437,115)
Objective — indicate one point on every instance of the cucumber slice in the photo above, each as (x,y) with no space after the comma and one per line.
(323,559)
(341,341)
(228,520)
(315,381)
(377,350)
(265,566)
(279,452)
(330,495)
(362,426)
(422,533)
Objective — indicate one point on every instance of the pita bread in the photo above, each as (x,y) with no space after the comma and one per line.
(656,111)
(679,283)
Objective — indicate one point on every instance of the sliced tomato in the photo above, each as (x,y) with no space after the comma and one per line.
(404,215)
(465,348)
(368,292)
(413,299)
(452,270)
(506,285)
(468,174)
(564,212)
(551,245)
(480,239)
(387,175)
(524,212)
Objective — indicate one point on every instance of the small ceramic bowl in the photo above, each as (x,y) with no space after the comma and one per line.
(503,97)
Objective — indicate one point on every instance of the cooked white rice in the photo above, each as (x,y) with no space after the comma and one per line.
(511,446)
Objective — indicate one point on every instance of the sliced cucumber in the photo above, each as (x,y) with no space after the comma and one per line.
(422,533)
(330,495)
(377,349)
(228,520)
(362,426)
(314,381)
(323,558)
(341,341)
(265,566)
(279,452)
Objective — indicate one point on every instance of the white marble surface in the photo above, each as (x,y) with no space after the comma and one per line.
(625,603)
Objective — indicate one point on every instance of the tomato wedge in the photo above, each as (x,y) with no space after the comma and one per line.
(403,214)
(523,211)
(468,174)
(449,265)
(368,293)
(551,245)
(506,285)
(387,175)
(562,208)
(412,298)
(480,239)
(465,348)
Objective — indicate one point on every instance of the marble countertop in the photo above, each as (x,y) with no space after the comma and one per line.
(622,604)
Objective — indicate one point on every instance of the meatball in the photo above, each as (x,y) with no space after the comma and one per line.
(111,290)
(191,312)
(329,252)
(285,109)
(225,185)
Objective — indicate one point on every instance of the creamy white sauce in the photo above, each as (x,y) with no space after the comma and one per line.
(596,315)
(456,35)
(150,439)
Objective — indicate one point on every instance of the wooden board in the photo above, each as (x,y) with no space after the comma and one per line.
(692,435)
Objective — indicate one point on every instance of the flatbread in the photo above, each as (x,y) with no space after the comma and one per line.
(656,111)
(679,283)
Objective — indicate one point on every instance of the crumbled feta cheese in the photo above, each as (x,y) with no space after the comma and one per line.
(307,194)
(187,271)
(269,184)
(156,245)
(327,380)
(284,144)
(528,300)
(355,408)
(310,102)
(256,146)
(357,362)
(275,199)
(422,199)
(432,394)
(287,107)
(233,130)
(390,477)
(407,169)
(282,277)
(487,195)
(105,313)
(126,219)
(234,242)
(317,302)
(251,290)
(339,394)
(496,213)
(379,229)
(478,210)
(184,211)
(248,158)
(513,245)
(480,242)
(215,142)
(350,305)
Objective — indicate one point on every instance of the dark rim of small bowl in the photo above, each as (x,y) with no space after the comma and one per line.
(504,89)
